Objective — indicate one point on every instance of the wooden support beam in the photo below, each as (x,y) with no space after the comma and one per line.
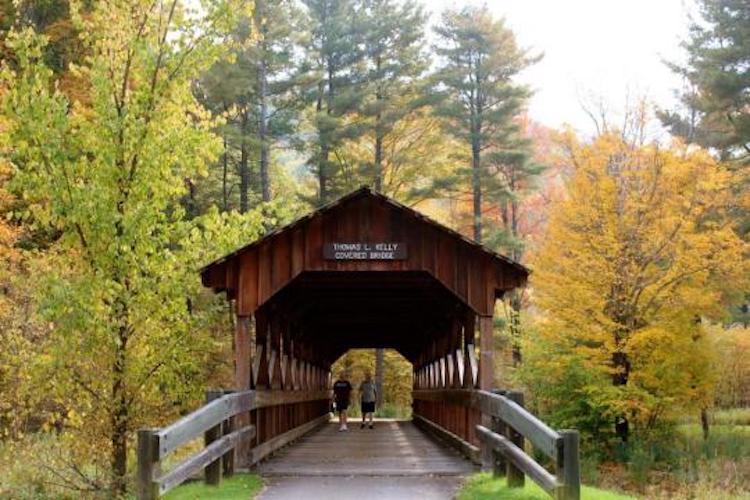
(486,357)
(514,475)
(148,464)
(214,469)
(261,342)
(243,380)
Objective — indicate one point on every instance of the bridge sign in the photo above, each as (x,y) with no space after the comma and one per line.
(364,251)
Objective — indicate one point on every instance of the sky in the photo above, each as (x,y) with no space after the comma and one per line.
(603,48)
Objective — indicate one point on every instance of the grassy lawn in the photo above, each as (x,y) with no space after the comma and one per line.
(484,486)
(237,487)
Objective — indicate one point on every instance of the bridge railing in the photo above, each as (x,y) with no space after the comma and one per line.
(504,426)
(227,421)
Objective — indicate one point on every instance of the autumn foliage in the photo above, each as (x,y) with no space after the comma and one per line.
(637,257)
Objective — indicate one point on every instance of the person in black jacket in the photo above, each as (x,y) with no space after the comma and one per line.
(342,390)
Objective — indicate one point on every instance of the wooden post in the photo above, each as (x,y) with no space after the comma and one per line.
(486,363)
(499,465)
(515,476)
(568,467)
(242,382)
(213,470)
(148,464)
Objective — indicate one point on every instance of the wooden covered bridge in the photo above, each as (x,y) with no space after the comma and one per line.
(362,272)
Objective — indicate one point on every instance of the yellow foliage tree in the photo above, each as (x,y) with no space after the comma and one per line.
(637,254)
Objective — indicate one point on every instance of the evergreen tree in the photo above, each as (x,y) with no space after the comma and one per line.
(479,57)
(336,60)
(717,98)
(394,39)
(255,90)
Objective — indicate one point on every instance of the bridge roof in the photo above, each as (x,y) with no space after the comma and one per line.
(257,272)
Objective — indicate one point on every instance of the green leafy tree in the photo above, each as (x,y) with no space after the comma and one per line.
(478,58)
(107,175)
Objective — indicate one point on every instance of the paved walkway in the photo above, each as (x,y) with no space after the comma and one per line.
(393,461)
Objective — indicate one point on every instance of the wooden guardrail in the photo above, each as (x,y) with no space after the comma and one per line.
(216,422)
(502,443)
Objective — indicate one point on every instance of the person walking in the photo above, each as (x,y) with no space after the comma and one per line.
(342,390)
(368,396)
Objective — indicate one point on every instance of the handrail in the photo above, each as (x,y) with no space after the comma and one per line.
(540,434)
(196,423)
(208,420)
(511,424)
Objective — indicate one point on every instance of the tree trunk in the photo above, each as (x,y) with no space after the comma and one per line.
(379,372)
(244,172)
(705,424)
(515,297)
(263,103)
(224,185)
(378,159)
(119,417)
(476,185)
(622,372)
(379,133)
(515,327)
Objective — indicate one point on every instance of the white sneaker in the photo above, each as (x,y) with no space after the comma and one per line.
(343,428)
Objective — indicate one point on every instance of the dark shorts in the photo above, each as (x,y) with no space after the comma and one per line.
(342,406)
(368,407)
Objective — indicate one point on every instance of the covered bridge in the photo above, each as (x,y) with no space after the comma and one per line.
(365,272)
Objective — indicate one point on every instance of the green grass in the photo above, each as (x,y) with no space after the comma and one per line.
(237,487)
(731,416)
(483,486)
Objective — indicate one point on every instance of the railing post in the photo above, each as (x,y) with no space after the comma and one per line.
(228,427)
(498,427)
(148,464)
(516,478)
(498,460)
(213,470)
(568,466)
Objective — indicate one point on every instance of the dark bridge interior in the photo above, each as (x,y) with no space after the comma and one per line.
(342,310)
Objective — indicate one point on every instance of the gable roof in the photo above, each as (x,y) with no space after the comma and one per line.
(366,191)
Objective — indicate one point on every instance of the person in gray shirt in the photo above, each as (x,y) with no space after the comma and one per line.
(368,395)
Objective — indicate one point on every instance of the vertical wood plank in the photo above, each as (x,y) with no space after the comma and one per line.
(515,476)
(486,357)
(214,469)
(148,464)
(242,379)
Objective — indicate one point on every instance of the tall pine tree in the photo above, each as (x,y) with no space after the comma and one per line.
(716,101)
(479,57)
(336,60)
(256,91)
(394,40)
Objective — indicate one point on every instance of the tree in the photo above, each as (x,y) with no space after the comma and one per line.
(256,91)
(716,99)
(635,257)
(335,58)
(107,175)
(393,43)
(717,96)
(479,57)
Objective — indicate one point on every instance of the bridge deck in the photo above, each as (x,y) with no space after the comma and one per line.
(392,448)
